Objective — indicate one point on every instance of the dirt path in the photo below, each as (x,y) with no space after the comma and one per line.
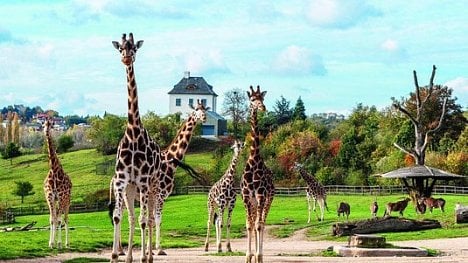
(292,249)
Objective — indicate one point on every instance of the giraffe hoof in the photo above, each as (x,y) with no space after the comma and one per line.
(161,253)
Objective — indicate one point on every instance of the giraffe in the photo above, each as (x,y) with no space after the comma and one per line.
(163,184)
(138,160)
(315,191)
(57,189)
(257,183)
(222,194)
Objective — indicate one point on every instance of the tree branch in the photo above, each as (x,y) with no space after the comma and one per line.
(431,84)
(403,110)
(403,149)
(418,97)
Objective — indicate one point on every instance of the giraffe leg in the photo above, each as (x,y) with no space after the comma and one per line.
(249,225)
(321,206)
(158,219)
(150,227)
(309,208)
(65,220)
(259,228)
(51,225)
(143,223)
(228,228)
(130,195)
(208,225)
(219,226)
(117,219)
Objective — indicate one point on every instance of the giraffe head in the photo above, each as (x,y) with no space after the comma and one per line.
(297,166)
(256,99)
(46,125)
(199,112)
(237,146)
(127,48)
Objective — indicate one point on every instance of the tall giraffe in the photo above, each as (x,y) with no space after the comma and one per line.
(138,160)
(57,189)
(222,194)
(257,183)
(315,191)
(171,156)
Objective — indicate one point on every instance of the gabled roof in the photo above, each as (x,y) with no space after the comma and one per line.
(193,85)
(214,115)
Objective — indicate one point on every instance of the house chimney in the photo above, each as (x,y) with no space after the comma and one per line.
(186,74)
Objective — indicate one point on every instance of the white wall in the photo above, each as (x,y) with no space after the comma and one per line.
(184,107)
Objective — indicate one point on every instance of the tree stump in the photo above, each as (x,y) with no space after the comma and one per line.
(385,224)
(461,215)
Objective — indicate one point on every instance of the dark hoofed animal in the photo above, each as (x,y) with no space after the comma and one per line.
(344,209)
(374,208)
(399,206)
(431,203)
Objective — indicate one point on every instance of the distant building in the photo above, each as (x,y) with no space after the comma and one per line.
(187,92)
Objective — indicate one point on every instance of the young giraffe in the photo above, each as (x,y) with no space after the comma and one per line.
(314,190)
(57,189)
(257,183)
(171,156)
(222,194)
(138,160)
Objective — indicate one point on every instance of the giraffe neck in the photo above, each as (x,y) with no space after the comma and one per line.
(232,167)
(53,159)
(308,178)
(254,148)
(133,112)
(179,145)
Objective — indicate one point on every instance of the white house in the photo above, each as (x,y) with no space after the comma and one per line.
(187,92)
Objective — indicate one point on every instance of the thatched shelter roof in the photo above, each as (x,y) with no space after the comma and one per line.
(421,171)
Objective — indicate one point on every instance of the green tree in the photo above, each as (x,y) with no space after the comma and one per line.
(106,132)
(23,189)
(283,112)
(65,142)
(299,110)
(11,151)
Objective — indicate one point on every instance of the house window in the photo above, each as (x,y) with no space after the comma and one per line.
(190,102)
(178,102)
(203,102)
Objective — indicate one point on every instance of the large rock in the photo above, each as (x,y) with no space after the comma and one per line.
(366,241)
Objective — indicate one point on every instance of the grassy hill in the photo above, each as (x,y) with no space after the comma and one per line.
(79,165)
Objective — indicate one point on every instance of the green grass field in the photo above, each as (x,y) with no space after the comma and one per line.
(184,224)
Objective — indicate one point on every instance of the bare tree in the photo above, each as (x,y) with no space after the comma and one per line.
(235,106)
(424,126)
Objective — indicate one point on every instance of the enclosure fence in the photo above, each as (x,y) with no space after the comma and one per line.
(280,191)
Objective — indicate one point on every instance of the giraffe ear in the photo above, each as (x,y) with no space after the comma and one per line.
(263,94)
(191,106)
(139,44)
(248,94)
(207,108)
(116,44)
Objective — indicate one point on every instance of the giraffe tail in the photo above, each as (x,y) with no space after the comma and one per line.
(326,206)
(215,217)
(111,204)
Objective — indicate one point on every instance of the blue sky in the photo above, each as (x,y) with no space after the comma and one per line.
(334,54)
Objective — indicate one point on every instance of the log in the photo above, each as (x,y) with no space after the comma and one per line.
(461,215)
(384,224)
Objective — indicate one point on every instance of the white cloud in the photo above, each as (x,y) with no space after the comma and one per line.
(298,60)
(339,14)
(204,61)
(393,51)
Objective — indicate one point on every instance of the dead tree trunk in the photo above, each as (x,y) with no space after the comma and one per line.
(423,129)
(384,224)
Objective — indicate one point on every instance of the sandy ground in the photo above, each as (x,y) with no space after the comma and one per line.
(286,250)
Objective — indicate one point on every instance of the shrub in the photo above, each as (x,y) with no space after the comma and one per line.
(65,142)
(100,196)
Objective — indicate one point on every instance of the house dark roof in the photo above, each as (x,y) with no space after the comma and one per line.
(193,85)
(214,115)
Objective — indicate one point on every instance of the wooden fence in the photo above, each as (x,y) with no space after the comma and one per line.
(281,191)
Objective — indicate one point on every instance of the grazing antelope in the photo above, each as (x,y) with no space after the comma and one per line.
(344,209)
(399,206)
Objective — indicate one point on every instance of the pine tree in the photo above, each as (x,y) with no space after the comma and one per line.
(299,110)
